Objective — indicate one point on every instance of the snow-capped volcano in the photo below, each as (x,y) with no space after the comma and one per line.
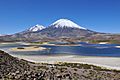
(65,23)
(66,28)
(36,28)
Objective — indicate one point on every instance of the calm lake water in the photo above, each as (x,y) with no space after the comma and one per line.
(83,49)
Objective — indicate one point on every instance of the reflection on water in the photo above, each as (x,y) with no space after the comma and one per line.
(84,49)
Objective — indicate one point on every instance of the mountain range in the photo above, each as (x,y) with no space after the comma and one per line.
(62,28)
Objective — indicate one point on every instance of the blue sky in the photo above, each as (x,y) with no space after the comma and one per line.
(97,15)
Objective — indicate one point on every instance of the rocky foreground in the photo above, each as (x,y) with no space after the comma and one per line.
(12,68)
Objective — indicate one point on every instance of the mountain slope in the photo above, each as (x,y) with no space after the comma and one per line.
(36,28)
(26,35)
(66,28)
(66,32)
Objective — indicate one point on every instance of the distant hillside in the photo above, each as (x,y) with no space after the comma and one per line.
(12,68)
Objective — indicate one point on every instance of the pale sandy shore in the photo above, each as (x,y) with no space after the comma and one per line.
(104,62)
(31,48)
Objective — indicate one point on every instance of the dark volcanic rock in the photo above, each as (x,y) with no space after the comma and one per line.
(12,68)
(66,32)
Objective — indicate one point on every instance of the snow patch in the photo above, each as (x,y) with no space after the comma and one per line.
(36,28)
(61,23)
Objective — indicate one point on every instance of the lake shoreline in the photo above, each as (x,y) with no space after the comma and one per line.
(104,62)
(108,62)
(31,48)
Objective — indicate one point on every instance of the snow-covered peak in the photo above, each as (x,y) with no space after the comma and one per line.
(2,34)
(61,23)
(36,28)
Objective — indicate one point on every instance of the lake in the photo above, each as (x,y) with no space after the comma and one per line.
(84,49)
